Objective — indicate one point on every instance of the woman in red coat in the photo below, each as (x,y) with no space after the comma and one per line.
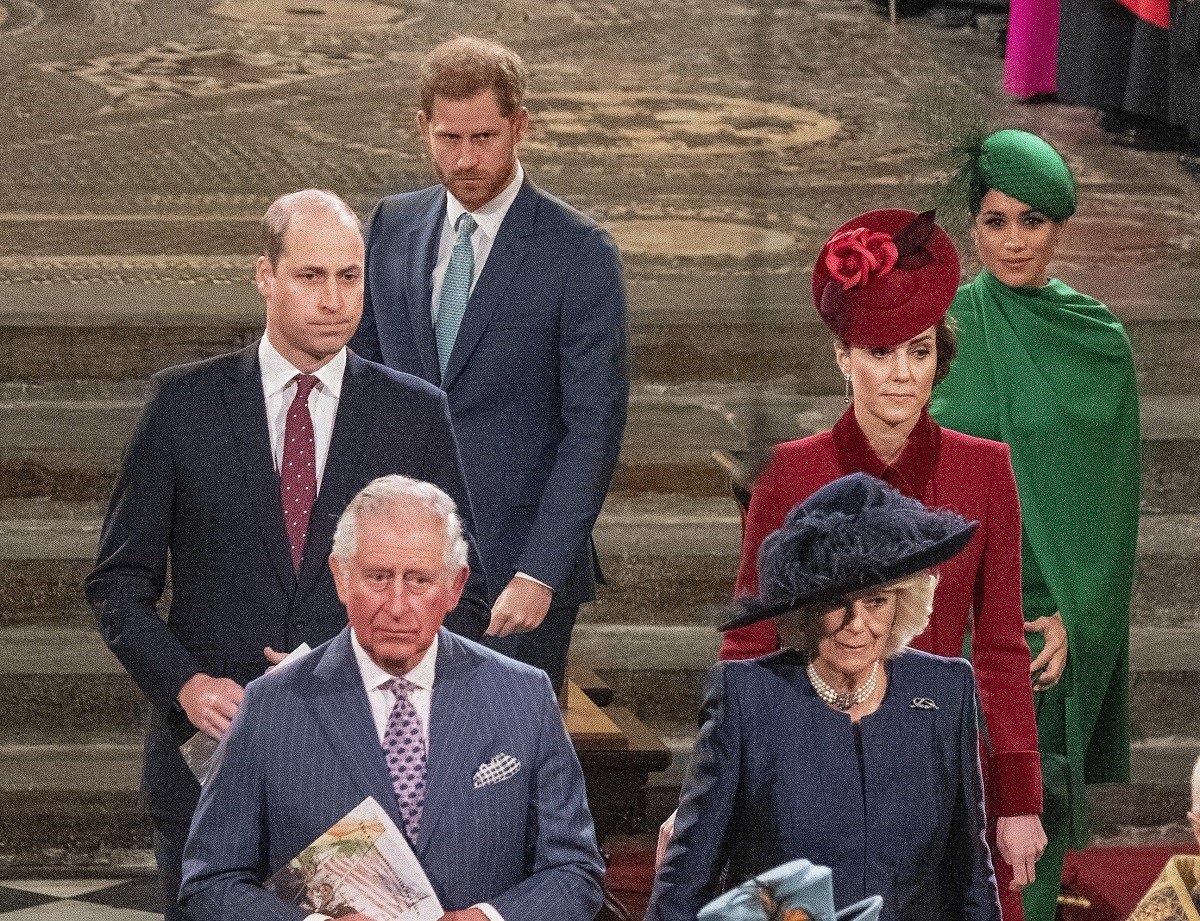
(883,283)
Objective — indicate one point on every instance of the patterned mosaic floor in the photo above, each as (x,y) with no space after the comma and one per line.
(116,899)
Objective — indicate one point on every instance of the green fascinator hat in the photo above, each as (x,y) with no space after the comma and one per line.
(1027,168)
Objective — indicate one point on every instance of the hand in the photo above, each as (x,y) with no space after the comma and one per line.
(275,658)
(664,838)
(1052,660)
(357,916)
(1020,841)
(466,914)
(210,703)
(521,607)
(1194,819)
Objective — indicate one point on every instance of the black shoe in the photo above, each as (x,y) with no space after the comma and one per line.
(1115,122)
(1151,135)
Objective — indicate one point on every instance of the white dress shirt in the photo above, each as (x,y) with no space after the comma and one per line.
(278,376)
(488,217)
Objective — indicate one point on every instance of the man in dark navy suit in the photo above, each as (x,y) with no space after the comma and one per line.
(237,472)
(464,749)
(513,303)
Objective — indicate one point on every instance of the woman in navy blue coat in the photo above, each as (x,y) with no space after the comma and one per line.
(844,748)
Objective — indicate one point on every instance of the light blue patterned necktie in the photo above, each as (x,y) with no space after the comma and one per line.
(456,290)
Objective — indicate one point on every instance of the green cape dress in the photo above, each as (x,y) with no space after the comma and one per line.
(1049,371)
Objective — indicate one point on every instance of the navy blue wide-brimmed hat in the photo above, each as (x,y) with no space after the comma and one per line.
(796,885)
(854,534)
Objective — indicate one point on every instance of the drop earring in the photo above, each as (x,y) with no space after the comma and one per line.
(846,394)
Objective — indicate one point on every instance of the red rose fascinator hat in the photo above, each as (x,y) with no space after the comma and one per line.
(885,276)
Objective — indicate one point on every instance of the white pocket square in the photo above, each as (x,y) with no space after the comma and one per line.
(499,768)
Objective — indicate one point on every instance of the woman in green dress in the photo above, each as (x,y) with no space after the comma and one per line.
(1049,371)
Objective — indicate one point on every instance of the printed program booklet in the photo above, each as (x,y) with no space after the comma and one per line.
(363,864)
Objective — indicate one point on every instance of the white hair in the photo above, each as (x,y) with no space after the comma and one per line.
(404,499)
(801,629)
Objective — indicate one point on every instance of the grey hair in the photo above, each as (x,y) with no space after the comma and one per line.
(279,215)
(403,499)
(801,629)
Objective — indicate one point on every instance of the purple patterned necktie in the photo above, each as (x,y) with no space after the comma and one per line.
(404,748)
(298,471)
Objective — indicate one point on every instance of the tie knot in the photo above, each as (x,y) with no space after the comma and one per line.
(465,225)
(401,687)
(304,385)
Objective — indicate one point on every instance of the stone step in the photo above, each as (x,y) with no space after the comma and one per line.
(148,312)
(668,559)
(62,682)
(63,440)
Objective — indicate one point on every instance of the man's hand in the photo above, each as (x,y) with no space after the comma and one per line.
(521,607)
(275,658)
(210,703)
(1194,819)
(664,838)
(466,914)
(1020,841)
(1053,658)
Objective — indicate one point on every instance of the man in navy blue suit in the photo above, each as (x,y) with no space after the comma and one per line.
(513,303)
(464,748)
(237,472)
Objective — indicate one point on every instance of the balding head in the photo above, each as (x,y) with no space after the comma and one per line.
(279,216)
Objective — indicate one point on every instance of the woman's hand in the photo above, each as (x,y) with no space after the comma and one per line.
(1020,841)
(1052,660)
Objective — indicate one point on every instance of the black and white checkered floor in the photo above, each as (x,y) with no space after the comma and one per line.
(135,898)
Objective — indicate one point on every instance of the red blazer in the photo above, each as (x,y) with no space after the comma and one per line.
(982,585)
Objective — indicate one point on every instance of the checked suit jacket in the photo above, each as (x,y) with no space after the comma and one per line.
(303,751)
(198,488)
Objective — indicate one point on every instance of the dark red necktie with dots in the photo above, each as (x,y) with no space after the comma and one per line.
(298,472)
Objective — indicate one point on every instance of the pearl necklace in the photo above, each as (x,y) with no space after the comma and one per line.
(837,699)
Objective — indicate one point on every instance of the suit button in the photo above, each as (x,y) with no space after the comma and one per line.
(297,622)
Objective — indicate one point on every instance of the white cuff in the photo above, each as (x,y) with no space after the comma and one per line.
(525,575)
(490,911)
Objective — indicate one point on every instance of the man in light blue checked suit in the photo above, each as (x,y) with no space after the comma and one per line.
(464,748)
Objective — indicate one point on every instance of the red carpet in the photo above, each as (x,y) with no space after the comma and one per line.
(1113,879)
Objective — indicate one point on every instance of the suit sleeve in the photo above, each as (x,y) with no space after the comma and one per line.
(696,856)
(564,870)
(226,854)
(967,878)
(594,381)
(1001,655)
(124,587)
(768,508)
(365,341)
(443,466)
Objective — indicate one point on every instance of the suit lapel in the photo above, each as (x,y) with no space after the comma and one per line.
(421,250)
(508,252)
(355,407)
(343,714)
(248,423)
(454,749)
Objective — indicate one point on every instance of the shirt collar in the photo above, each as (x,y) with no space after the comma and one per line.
(910,473)
(489,217)
(373,676)
(278,372)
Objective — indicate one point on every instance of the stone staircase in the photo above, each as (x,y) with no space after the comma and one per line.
(669,535)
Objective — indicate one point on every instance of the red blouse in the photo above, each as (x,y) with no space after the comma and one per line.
(971,476)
